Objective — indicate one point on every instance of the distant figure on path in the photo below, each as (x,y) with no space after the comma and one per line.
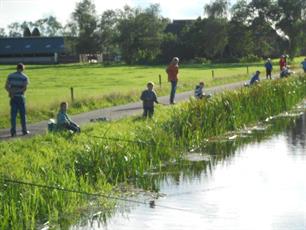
(304,65)
(172,71)
(148,98)
(255,79)
(16,85)
(269,68)
(282,62)
(63,120)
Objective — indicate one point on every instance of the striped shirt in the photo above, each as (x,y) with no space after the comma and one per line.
(16,83)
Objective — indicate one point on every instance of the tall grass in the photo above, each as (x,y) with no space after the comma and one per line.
(94,162)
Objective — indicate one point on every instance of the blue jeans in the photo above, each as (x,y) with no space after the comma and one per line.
(18,105)
(173,90)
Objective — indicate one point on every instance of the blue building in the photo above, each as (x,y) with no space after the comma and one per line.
(36,50)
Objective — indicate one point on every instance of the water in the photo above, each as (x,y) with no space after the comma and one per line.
(259,186)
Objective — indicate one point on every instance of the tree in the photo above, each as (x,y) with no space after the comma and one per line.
(141,33)
(15,30)
(84,16)
(36,32)
(27,32)
(49,26)
(209,37)
(240,40)
(2,33)
(108,31)
(291,22)
(217,9)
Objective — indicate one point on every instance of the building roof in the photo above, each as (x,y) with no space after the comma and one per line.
(31,45)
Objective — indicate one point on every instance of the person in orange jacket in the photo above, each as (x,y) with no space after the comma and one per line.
(172,71)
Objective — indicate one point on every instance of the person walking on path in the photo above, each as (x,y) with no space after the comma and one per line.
(64,122)
(148,98)
(269,68)
(282,62)
(16,85)
(172,71)
(304,65)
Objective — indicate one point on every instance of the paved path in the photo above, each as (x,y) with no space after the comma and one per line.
(114,113)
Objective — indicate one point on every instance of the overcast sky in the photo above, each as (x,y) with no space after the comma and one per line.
(31,10)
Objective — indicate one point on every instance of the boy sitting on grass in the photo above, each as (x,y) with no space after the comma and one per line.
(148,98)
(198,92)
(63,120)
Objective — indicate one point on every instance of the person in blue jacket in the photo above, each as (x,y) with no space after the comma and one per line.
(269,68)
(255,78)
(304,65)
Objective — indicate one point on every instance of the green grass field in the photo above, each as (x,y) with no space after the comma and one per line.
(96,86)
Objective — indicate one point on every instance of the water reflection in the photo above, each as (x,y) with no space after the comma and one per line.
(296,135)
(258,186)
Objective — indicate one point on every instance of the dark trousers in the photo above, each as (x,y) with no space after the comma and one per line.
(148,111)
(304,70)
(18,105)
(72,127)
(173,90)
(268,73)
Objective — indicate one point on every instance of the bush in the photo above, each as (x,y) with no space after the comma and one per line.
(250,58)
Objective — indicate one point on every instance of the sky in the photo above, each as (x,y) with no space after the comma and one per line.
(32,10)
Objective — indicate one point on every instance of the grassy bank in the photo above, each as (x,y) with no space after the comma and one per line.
(96,86)
(108,154)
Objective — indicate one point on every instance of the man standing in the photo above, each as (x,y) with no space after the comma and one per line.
(172,71)
(16,86)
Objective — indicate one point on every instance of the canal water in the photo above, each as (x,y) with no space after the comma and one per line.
(256,186)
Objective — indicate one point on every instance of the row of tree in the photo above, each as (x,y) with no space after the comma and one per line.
(256,28)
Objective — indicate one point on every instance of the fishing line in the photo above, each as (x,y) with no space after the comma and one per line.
(151,203)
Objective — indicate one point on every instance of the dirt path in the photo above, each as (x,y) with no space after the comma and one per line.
(113,113)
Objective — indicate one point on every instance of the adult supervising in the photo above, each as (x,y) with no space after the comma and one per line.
(16,85)
(172,71)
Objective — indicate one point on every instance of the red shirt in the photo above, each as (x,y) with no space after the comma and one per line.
(172,72)
(282,63)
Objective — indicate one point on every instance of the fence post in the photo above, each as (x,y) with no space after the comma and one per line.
(213,74)
(72,94)
(247,70)
(159,80)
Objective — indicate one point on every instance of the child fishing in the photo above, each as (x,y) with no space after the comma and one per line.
(148,98)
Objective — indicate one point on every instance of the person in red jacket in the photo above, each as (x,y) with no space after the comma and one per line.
(282,62)
(172,71)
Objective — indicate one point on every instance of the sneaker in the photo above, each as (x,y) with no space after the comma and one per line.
(13,134)
(25,132)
